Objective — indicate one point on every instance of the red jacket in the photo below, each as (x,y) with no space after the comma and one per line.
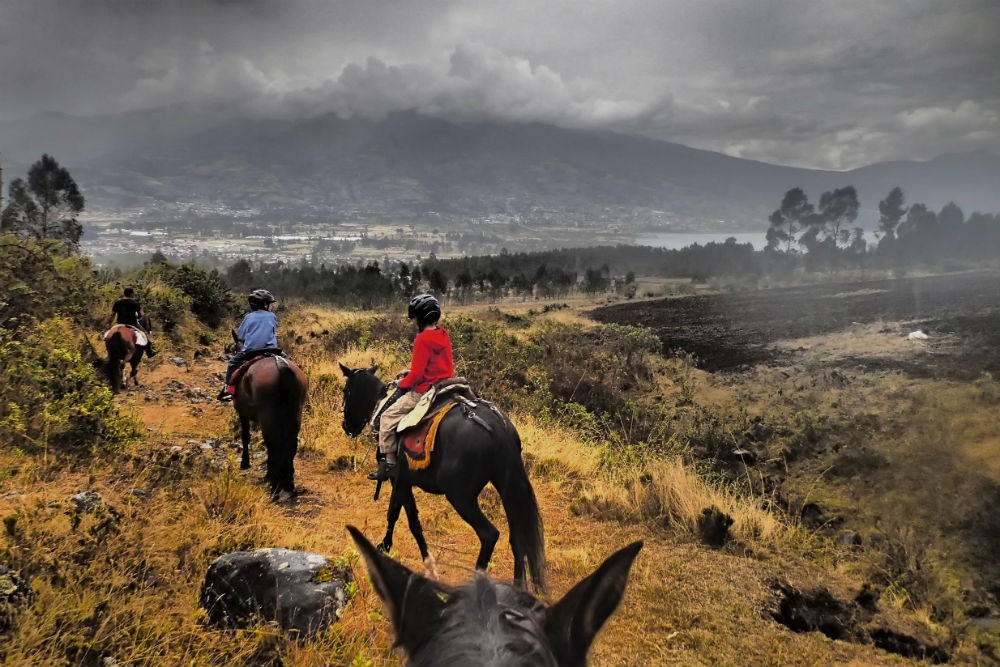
(432,360)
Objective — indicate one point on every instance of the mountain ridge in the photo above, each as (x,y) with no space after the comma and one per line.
(411,166)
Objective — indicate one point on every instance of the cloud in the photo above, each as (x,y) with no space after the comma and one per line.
(808,82)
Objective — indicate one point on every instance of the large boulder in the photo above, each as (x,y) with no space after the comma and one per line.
(303,592)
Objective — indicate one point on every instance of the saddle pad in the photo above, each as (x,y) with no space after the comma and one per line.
(436,394)
(234,381)
(140,336)
(418,443)
(418,412)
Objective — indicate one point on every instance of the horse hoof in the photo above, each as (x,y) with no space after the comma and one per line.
(383,547)
(244,465)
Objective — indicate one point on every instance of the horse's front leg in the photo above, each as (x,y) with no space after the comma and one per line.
(135,373)
(391,517)
(245,439)
(413,518)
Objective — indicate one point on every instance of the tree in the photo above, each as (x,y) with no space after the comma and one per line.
(795,208)
(951,216)
(46,205)
(891,211)
(837,209)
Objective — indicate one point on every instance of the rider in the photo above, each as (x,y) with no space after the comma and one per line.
(432,362)
(126,310)
(257,331)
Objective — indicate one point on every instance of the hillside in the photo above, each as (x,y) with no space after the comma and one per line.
(130,591)
(417,168)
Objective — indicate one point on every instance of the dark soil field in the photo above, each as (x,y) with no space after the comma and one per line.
(733,331)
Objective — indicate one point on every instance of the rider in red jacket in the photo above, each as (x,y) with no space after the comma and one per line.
(432,362)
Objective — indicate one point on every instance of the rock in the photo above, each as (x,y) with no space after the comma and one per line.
(744,455)
(713,526)
(758,431)
(917,335)
(91,502)
(139,492)
(812,515)
(87,501)
(178,361)
(849,539)
(302,591)
(14,593)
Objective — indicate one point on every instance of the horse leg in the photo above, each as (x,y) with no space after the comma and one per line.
(245,438)
(468,508)
(391,517)
(135,372)
(413,519)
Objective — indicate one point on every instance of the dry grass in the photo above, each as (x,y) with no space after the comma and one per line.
(130,591)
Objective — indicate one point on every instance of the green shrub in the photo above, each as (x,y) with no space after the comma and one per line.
(42,278)
(205,293)
(51,399)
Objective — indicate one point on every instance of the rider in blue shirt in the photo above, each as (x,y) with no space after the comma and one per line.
(257,332)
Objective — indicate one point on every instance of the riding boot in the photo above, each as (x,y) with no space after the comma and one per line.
(224,395)
(386,469)
(150,352)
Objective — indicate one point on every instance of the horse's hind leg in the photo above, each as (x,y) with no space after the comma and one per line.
(468,508)
(135,374)
(245,439)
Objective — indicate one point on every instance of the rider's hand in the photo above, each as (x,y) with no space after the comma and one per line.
(402,374)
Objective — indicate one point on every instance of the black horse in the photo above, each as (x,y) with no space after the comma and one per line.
(466,458)
(490,623)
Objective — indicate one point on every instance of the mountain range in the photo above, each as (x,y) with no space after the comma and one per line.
(408,166)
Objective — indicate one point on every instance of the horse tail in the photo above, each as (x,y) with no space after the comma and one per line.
(117,349)
(281,431)
(527,538)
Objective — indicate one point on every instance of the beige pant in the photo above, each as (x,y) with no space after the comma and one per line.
(392,416)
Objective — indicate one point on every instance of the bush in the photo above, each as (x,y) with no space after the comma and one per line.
(52,399)
(206,294)
(42,278)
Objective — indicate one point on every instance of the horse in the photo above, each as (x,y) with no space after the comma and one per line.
(490,623)
(272,394)
(122,347)
(466,458)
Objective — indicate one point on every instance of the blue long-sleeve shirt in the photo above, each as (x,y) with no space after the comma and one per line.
(258,329)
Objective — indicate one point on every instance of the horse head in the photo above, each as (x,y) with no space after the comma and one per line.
(491,623)
(362,389)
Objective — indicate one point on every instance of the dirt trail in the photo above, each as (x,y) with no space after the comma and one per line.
(685,602)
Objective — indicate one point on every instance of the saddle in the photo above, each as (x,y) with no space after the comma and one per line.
(141,339)
(262,353)
(417,431)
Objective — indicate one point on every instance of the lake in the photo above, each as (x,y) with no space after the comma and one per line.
(678,240)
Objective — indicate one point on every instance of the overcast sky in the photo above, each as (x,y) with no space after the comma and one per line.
(822,83)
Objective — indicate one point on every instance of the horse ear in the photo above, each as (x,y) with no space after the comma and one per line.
(414,602)
(374,369)
(572,623)
(345,370)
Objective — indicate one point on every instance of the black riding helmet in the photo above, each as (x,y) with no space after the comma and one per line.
(424,308)
(259,298)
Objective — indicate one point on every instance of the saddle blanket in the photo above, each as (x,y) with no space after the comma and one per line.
(234,381)
(441,390)
(418,443)
(141,339)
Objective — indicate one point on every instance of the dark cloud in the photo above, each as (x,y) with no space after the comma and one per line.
(808,82)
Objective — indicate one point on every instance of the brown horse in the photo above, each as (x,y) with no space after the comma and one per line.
(122,347)
(272,394)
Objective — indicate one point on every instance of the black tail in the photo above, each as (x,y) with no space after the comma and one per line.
(116,348)
(526,531)
(280,429)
